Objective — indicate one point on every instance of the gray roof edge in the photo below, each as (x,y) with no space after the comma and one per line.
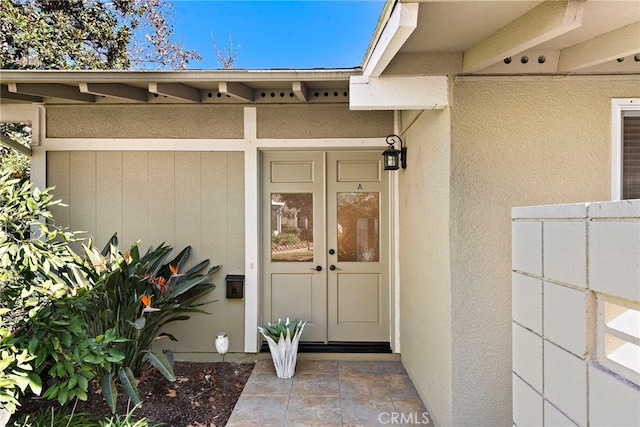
(176,76)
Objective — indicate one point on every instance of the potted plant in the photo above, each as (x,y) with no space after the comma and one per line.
(283,338)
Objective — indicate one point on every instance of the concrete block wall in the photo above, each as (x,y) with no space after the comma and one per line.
(576,268)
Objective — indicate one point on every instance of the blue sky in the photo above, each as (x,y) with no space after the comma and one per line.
(279,34)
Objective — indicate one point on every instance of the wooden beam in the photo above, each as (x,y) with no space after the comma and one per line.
(398,93)
(402,22)
(10,143)
(616,44)
(300,90)
(176,90)
(543,23)
(50,90)
(236,90)
(5,94)
(115,90)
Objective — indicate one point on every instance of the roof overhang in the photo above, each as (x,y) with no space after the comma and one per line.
(180,86)
(506,37)
(419,40)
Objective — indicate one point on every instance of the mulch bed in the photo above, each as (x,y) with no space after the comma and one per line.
(204,394)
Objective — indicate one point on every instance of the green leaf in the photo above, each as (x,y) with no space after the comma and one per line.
(158,359)
(140,322)
(67,339)
(129,383)
(196,268)
(33,345)
(72,382)
(63,395)
(82,395)
(31,204)
(82,382)
(35,383)
(109,391)
(165,334)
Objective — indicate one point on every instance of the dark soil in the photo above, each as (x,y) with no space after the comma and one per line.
(204,394)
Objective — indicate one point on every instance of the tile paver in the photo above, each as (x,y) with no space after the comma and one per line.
(330,393)
(260,411)
(316,385)
(313,411)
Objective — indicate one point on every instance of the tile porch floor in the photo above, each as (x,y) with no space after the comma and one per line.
(330,393)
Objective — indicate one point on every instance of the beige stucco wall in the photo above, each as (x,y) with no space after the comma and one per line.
(181,198)
(425,294)
(145,121)
(513,143)
(322,121)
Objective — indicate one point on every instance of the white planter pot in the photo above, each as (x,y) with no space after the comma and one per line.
(285,352)
(4,417)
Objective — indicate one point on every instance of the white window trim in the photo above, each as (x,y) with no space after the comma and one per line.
(619,106)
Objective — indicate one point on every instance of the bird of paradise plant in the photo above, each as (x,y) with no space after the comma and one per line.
(140,295)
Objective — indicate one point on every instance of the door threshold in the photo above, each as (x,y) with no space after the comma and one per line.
(338,347)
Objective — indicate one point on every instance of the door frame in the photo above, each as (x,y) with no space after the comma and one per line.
(323,317)
(253,147)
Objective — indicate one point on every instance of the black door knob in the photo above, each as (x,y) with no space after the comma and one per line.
(332,251)
(316,268)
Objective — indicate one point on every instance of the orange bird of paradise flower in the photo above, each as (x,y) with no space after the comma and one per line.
(161,284)
(146,300)
(174,270)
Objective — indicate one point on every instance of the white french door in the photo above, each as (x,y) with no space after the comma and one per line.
(325,243)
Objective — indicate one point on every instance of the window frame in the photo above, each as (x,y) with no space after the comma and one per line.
(620,107)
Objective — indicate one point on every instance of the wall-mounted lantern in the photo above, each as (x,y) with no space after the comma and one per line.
(394,158)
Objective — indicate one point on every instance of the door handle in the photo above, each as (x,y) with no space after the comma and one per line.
(316,268)
(333,268)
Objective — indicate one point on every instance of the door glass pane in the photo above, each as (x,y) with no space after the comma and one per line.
(358,227)
(292,227)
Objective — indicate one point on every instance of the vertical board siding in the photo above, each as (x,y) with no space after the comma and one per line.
(214,201)
(180,198)
(82,192)
(162,193)
(108,194)
(235,237)
(135,199)
(58,172)
(188,200)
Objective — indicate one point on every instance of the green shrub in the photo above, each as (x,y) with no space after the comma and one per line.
(136,296)
(56,417)
(284,239)
(126,421)
(75,319)
(37,270)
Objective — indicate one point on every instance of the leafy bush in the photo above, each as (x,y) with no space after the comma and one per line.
(75,319)
(17,163)
(136,296)
(284,239)
(63,417)
(12,160)
(126,421)
(37,270)
(56,417)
